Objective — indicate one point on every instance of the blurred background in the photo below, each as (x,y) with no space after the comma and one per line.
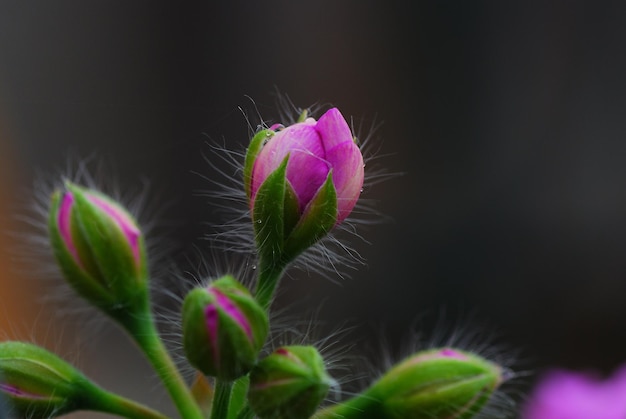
(505,120)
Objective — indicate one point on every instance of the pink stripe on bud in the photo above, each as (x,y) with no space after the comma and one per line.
(17,392)
(211,316)
(65,225)
(451,353)
(232,311)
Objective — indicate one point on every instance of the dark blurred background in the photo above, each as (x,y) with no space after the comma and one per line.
(506,119)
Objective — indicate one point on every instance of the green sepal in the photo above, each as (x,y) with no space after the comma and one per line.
(238,397)
(290,383)
(318,218)
(256,144)
(458,398)
(291,210)
(268,215)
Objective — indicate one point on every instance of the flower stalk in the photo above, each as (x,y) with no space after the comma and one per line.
(143,330)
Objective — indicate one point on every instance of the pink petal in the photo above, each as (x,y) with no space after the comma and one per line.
(306,173)
(65,224)
(333,129)
(301,137)
(348,173)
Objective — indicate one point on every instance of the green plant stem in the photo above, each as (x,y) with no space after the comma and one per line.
(270,273)
(117,405)
(145,333)
(221,399)
(246,413)
(362,406)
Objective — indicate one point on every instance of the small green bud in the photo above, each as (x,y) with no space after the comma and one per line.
(435,384)
(224,328)
(288,384)
(36,383)
(99,247)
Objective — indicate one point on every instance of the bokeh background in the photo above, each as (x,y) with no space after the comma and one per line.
(505,119)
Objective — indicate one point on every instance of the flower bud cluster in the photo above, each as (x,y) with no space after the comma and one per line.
(301,181)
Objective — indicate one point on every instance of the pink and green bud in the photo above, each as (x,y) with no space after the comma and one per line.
(301,181)
(288,384)
(436,384)
(36,383)
(224,329)
(99,247)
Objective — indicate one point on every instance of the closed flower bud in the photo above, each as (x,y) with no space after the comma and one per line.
(224,328)
(98,246)
(436,384)
(288,384)
(36,383)
(301,181)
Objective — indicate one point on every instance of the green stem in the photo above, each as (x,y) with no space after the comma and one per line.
(221,399)
(107,402)
(269,276)
(145,333)
(362,406)
(246,413)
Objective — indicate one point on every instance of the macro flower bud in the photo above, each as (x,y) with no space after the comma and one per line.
(224,328)
(302,181)
(99,247)
(288,384)
(435,384)
(36,383)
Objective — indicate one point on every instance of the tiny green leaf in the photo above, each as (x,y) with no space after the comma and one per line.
(256,144)
(318,219)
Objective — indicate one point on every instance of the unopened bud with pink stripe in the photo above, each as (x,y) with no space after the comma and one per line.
(224,328)
(98,245)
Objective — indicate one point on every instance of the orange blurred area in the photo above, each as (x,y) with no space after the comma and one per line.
(16,308)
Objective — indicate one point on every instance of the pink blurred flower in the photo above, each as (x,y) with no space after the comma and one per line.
(314,148)
(575,395)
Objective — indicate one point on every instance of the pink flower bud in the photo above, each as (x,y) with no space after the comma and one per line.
(224,328)
(315,149)
(99,248)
